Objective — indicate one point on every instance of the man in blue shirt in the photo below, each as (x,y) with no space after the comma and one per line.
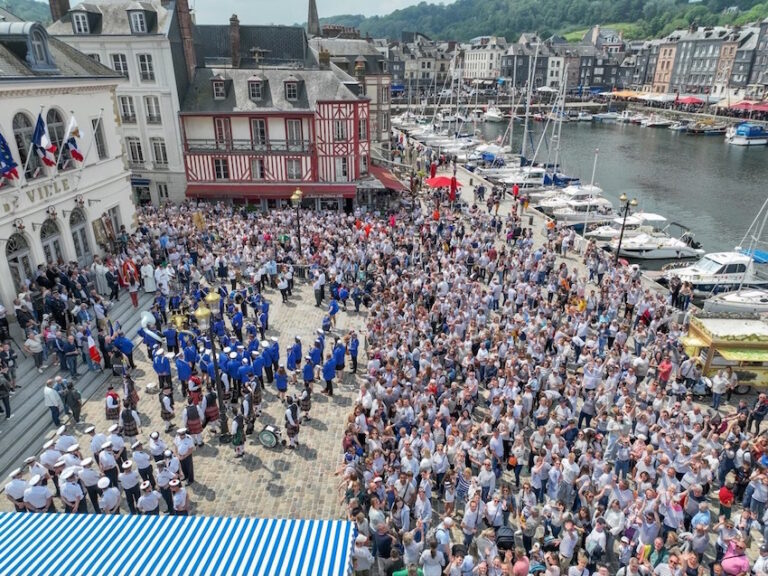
(329,371)
(171,339)
(162,367)
(354,345)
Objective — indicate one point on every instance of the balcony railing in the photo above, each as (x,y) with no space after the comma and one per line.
(128,119)
(154,119)
(249,147)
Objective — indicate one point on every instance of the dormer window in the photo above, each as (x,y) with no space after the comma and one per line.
(291,91)
(254,89)
(219,92)
(80,23)
(138,22)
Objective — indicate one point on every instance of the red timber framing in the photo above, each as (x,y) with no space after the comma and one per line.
(324,159)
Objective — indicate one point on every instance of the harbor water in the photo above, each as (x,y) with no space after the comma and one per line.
(713,188)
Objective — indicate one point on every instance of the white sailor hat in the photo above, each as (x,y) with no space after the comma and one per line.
(90,429)
(135,444)
(29,460)
(274,338)
(307,357)
(127,464)
(103,483)
(85,462)
(264,343)
(245,360)
(74,448)
(113,428)
(146,485)
(227,350)
(168,454)
(61,429)
(59,464)
(240,347)
(233,355)
(155,435)
(67,474)
(173,483)
(180,355)
(181,431)
(320,331)
(107,445)
(170,355)
(297,338)
(35,480)
(48,444)
(15,473)
(254,353)
(159,352)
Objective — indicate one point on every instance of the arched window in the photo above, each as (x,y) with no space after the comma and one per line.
(38,46)
(56,132)
(77,224)
(19,261)
(22,133)
(51,241)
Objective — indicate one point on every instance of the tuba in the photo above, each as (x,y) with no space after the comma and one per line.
(147,319)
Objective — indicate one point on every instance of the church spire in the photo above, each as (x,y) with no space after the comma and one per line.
(313,22)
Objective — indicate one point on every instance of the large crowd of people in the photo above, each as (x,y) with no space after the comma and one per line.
(520,407)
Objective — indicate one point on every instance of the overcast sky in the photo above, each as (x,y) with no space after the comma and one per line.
(288,11)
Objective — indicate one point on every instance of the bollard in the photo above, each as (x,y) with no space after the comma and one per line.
(471,181)
(530,220)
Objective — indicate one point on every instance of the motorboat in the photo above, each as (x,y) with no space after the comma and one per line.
(526,177)
(637,223)
(585,117)
(657,246)
(551,200)
(655,121)
(706,128)
(493,114)
(679,126)
(747,134)
(578,213)
(744,301)
(719,272)
(609,116)
(637,119)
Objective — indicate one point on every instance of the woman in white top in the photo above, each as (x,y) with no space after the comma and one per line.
(432,560)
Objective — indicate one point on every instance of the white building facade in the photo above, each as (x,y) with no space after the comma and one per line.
(73,210)
(142,42)
(482,58)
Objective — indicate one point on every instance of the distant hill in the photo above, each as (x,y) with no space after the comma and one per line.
(466,19)
(28,10)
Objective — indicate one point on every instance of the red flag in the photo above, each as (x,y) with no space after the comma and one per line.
(93,352)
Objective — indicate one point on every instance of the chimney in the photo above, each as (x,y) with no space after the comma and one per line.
(58,9)
(187,41)
(234,40)
(324,59)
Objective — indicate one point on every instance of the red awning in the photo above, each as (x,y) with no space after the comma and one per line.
(271,190)
(387,178)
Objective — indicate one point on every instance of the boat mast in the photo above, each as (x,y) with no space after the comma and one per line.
(560,126)
(589,202)
(531,70)
(513,110)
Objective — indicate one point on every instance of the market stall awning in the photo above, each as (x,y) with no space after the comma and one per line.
(693,342)
(106,545)
(387,178)
(693,100)
(744,355)
(271,190)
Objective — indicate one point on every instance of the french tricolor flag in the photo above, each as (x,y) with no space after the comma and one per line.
(73,133)
(42,143)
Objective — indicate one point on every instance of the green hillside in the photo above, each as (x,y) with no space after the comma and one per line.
(465,19)
(28,10)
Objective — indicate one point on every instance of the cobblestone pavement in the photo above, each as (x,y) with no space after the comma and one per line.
(278,483)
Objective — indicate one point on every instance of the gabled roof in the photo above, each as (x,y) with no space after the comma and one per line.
(114,17)
(278,45)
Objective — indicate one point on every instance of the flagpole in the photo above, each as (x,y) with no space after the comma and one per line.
(29,155)
(64,141)
(88,150)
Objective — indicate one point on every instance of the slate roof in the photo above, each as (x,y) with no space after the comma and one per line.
(114,18)
(314,85)
(282,45)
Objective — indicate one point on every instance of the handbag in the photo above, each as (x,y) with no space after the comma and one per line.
(512,461)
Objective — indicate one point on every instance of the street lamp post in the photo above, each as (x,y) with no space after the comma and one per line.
(204,316)
(296,199)
(625,206)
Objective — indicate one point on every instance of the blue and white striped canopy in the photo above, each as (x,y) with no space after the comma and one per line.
(100,545)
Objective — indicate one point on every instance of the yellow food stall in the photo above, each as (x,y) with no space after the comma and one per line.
(737,341)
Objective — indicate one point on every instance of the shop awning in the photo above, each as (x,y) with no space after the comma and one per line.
(387,178)
(101,545)
(271,190)
(693,342)
(744,355)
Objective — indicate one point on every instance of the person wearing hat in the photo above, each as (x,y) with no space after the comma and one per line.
(162,367)
(293,357)
(281,382)
(111,404)
(148,503)
(48,459)
(143,462)
(130,480)
(72,493)
(89,478)
(167,412)
(118,443)
(14,490)
(185,446)
(157,446)
(292,422)
(192,420)
(64,440)
(266,356)
(109,501)
(37,497)
(362,559)
(180,499)
(108,463)
(164,477)
(210,407)
(761,564)
(129,420)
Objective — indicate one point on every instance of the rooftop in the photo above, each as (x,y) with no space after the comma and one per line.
(113,19)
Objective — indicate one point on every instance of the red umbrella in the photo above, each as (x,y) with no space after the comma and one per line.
(743,105)
(690,100)
(440,182)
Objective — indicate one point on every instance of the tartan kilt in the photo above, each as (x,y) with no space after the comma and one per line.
(112,413)
(305,404)
(211,413)
(291,431)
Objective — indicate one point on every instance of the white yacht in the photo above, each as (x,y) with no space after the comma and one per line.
(585,117)
(493,114)
(606,116)
(560,198)
(637,223)
(527,177)
(655,121)
(578,213)
(719,272)
(744,301)
(657,246)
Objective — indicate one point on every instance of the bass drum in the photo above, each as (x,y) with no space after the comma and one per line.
(268,438)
